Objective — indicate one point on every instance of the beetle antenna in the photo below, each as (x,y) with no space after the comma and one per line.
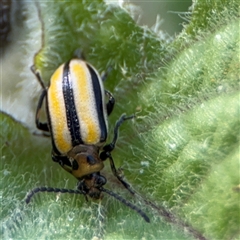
(127,203)
(49,189)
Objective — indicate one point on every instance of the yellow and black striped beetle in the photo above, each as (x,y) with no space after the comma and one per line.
(78,125)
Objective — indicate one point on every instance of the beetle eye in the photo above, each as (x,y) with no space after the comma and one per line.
(91,160)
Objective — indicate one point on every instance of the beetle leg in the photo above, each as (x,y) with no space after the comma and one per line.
(78,53)
(105,74)
(111,102)
(119,177)
(38,76)
(63,162)
(109,147)
(41,126)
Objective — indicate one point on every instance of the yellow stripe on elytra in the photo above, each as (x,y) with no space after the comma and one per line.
(61,135)
(85,103)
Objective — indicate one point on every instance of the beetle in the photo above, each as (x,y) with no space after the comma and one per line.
(77,120)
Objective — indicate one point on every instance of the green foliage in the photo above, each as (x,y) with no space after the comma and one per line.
(182,153)
(207,14)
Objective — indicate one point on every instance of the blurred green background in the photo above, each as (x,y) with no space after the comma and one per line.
(171,14)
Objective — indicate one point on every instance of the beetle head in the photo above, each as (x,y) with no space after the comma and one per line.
(91,185)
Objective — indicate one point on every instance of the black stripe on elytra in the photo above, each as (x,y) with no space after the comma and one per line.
(71,113)
(99,103)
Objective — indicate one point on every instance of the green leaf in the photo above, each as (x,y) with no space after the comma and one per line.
(181,152)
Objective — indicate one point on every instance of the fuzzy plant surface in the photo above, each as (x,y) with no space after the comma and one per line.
(181,151)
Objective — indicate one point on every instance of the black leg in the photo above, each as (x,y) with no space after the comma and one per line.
(41,126)
(109,147)
(119,177)
(78,53)
(111,102)
(105,74)
(37,74)
(63,162)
